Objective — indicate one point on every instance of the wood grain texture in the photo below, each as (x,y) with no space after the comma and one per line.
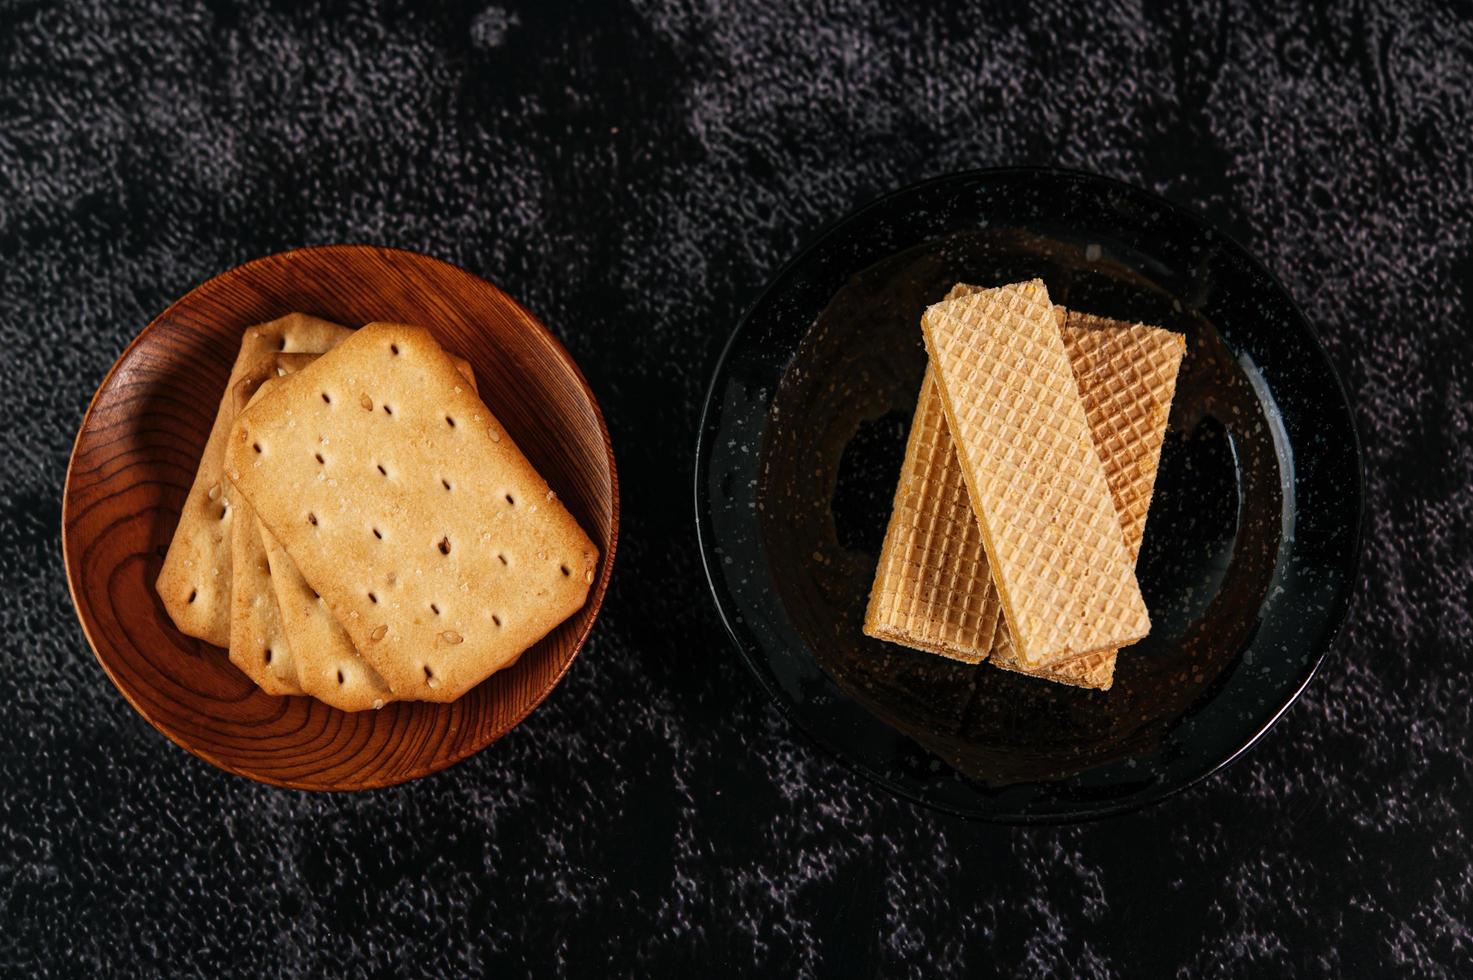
(136,454)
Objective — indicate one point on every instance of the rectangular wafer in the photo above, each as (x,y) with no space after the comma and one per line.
(932,579)
(1049,527)
(409,509)
(933,589)
(1126,374)
(194,582)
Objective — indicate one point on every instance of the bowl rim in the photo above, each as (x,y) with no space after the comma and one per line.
(1338,613)
(596,594)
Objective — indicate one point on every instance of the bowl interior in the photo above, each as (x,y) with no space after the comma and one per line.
(1250,546)
(135,458)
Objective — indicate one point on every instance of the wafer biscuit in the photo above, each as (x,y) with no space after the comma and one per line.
(933,590)
(1127,378)
(409,509)
(1126,374)
(1093,670)
(194,582)
(932,576)
(1049,526)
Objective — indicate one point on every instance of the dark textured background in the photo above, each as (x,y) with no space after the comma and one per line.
(634,172)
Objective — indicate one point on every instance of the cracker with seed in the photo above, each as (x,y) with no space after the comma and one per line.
(329,667)
(260,645)
(194,583)
(258,642)
(409,509)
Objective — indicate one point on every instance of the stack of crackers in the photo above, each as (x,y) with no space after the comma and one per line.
(1027,478)
(361,528)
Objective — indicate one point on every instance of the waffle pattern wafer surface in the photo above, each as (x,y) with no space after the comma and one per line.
(1126,374)
(1052,536)
(932,580)
(933,590)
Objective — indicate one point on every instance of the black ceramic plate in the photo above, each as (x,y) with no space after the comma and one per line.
(1251,544)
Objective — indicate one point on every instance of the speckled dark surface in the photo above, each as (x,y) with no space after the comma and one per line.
(634,174)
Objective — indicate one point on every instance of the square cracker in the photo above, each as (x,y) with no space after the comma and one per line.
(259,645)
(409,509)
(194,582)
(329,667)
(1049,526)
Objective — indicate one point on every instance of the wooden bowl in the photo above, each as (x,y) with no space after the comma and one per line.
(136,455)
